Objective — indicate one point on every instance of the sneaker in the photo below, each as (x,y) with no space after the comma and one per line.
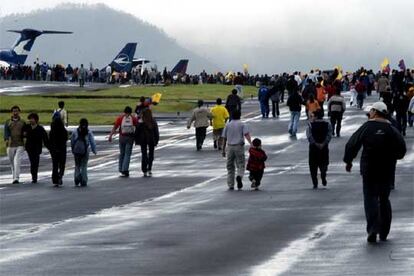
(239,182)
(383,237)
(372,237)
(324,183)
(253,183)
(34,181)
(231,188)
(149,173)
(145,174)
(15,182)
(315,187)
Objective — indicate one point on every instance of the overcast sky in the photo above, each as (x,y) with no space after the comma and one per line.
(281,33)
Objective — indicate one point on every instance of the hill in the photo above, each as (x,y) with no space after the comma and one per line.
(99,34)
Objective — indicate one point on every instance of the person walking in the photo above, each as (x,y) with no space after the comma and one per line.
(58,137)
(382,146)
(336,109)
(233,102)
(148,138)
(36,137)
(401,103)
(201,117)
(220,115)
(263,97)
(256,163)
(294,102)
(321,96)
(82,76)
(13,138)
(274,94)
(125,124)
(61,112)
(234,134)
(82,141)
(312,105)
(361,91)
(319,135)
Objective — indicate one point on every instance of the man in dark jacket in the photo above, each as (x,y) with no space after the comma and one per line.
(233,102)
(294,102)
(382,146)
(319,134)
(36,137)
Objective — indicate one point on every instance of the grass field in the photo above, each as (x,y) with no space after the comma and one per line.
(101,107)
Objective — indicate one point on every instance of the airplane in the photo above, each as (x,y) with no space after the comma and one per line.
(180,68)
(17,54)
(123,61)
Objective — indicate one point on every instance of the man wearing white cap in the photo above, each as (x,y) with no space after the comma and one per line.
(382,146)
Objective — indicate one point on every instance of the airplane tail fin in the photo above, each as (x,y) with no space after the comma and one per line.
(123,60)
(25,42)
(180,68)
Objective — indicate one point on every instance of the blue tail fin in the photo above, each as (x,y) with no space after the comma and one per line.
(25,42)
(180,68)
(123,60)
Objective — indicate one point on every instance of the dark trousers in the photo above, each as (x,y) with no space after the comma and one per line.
(402,121)
(318,159)
(256,175)
(275,108)
(322,110)
(58,163)
(360,100)
(200,133)
(264,108)
(336,119)
(34,163)
(147,157)
(377,206)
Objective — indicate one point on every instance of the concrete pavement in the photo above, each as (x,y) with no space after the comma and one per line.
(183,221)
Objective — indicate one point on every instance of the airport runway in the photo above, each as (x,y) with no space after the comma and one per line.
(183,221)
(14,87)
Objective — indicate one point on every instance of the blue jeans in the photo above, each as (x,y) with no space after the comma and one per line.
(264,108)
(294,120)
(125,150)
(81,169)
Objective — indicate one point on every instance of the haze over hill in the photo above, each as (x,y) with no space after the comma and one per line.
(99,33)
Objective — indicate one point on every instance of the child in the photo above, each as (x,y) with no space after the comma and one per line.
(256,163)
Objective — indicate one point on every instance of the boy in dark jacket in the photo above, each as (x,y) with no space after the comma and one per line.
(256,163)
(36,137)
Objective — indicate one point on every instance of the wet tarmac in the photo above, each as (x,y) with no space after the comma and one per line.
(183,221)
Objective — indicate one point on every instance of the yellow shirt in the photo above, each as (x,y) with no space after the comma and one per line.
(220,115)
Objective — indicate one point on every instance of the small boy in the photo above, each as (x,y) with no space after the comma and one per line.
(256,163)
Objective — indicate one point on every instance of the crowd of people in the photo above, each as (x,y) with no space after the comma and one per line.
(319,93)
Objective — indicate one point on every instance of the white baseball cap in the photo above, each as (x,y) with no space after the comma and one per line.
(380,107)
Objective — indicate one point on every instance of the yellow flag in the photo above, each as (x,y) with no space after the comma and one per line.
(339,68)
(156,98)
(385,63)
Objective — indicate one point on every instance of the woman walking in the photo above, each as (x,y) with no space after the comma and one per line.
(58,136)
(148,138)
(82,138)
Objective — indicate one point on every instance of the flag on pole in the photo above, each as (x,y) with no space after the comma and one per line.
(245,68)
(401,64)
(385,65)
(339,68)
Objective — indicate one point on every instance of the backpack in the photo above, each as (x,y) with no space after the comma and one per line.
(56,115)
(80,147)
(127,125)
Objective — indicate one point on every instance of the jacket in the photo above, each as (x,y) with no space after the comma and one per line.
(220,115)
(35,139)
(201,117)
(336,104)
(257,158)
(90,140)
(148,135)
(58,139)
(382,146)
(233,102)
(294,102)
(13,132)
